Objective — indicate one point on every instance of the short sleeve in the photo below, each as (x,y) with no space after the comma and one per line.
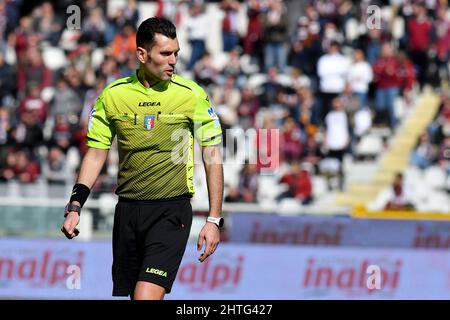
(207,129)
(100,132)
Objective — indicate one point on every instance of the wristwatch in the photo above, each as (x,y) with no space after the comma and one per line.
(218,221)
(71,207)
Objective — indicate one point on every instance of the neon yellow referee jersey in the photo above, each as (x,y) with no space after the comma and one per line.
(155,129)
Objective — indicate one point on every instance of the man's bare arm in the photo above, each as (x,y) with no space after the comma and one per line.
(91,166)
(212,159)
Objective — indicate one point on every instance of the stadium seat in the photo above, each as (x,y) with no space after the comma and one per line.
(247,65)
(269,188)
(97,57)
(284,80)
(220,59)
(370,145)
(320,187)
(289,207)
(256,80)
(47,94)
(435,177)
(54,58)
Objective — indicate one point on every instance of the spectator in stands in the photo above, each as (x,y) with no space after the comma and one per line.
(291,144)
(28,133)
(407,76)
(419,30)
(7,80)
(359,77)
(129,67)
(278,109)
(26,169)
(386,71)
(205,72)
(247,108)
(444,155)
(94,27)
(65,101)
(169,10)
(5,126)
(309,111)
(233,68)
(26,30)
(270,88)
(47,23)
(34,104)
(227,99)
(373,45)
(253,38)
(440,127)
(351,102)
(55,169)
(332,68)
(7,169)
(61,133)
(33,71)
(275,36)
(443,41)
(312,153)
(424,154)
(197,29)
(131,12)
(299,183)
(331,34)
(110,69)
(247,188)
(21,38)
(337,136)
(399,199)
(267,146)
(306,48)
(90,98)
(361,123)
(19,166)
(124,43)
(230,34)
(81,58)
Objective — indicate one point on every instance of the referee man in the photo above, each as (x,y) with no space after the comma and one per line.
(155,115)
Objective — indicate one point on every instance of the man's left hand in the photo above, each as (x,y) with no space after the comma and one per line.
(211,234)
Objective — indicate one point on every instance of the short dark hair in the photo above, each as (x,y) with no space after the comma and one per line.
(145,36)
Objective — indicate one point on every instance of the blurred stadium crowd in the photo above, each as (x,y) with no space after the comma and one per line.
(314,69)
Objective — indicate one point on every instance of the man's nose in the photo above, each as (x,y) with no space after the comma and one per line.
(172,59)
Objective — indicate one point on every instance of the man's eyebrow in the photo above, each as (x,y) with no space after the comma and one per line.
(170,51)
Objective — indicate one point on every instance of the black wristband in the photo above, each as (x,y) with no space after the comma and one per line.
(80,193)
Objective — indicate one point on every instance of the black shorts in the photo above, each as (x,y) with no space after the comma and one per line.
(149,240)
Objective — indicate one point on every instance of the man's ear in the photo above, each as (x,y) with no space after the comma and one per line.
(141,54)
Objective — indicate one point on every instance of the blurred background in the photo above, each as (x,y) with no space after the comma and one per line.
(358,176)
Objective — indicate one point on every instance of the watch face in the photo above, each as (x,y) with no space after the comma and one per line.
(221,221)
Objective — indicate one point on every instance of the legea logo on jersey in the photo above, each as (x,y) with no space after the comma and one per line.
(150,104)
(149,122)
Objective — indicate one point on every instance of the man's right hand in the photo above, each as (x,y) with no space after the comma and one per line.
(69,226)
